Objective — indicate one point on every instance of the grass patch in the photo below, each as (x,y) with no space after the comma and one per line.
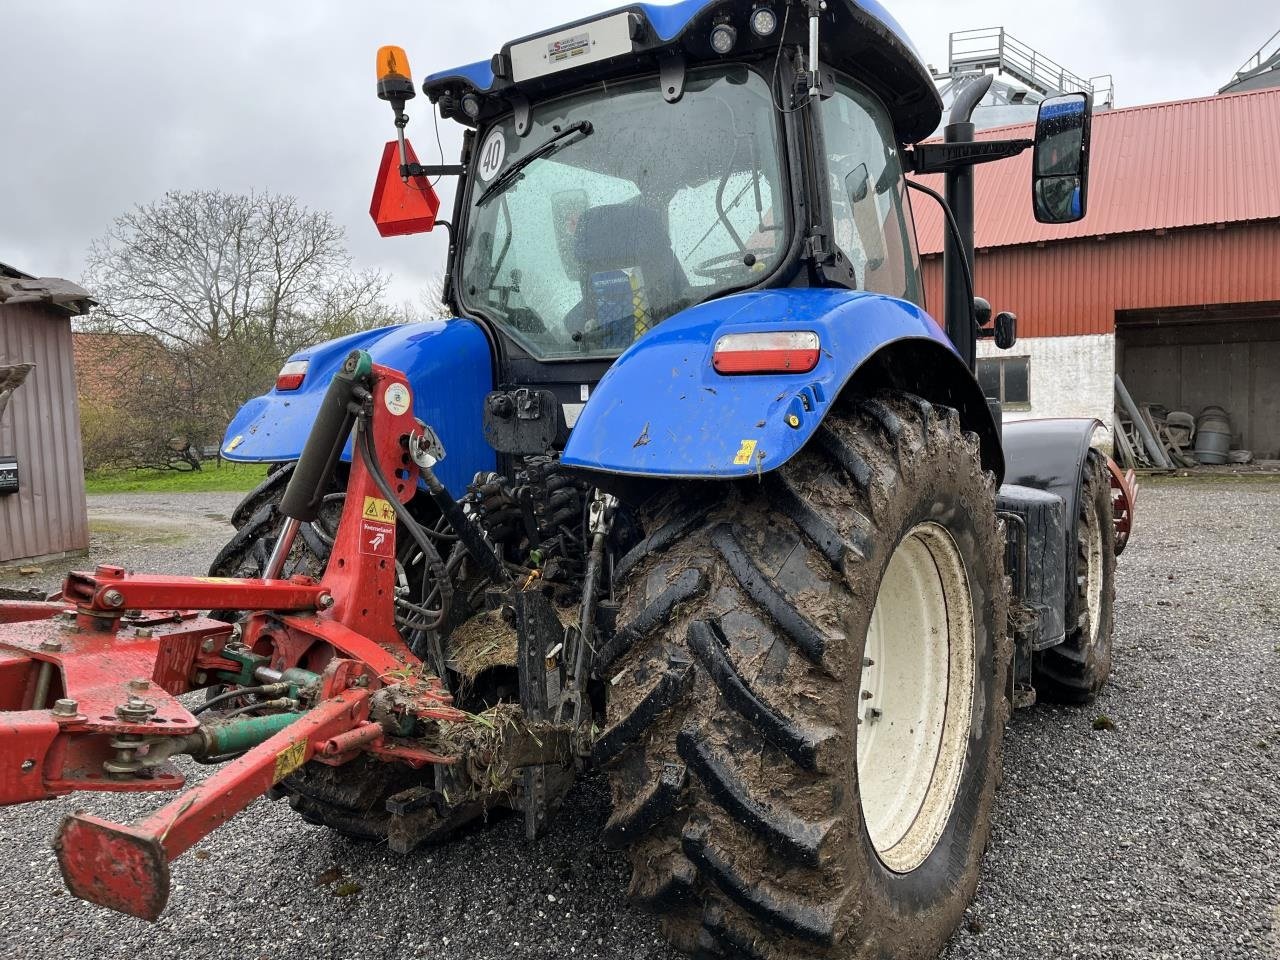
(214,478)
(1103,722)
(142,533)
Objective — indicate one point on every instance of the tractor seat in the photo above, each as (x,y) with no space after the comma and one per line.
(631,279)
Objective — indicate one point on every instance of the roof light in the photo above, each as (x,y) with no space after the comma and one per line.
(471,106)
(291,375)
(763,21)
(395,82)
(723,38)
(775,351)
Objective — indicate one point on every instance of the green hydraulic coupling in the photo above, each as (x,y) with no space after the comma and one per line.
(213,743)
(228,737)
(256,669)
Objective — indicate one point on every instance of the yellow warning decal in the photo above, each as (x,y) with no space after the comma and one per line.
(745,451)
(290,759)
(375,508)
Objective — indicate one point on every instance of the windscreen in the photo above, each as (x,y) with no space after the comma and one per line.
(616,227)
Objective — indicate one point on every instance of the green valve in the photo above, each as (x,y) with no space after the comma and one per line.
(244,733)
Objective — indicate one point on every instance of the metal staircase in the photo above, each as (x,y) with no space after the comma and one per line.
(1260,70)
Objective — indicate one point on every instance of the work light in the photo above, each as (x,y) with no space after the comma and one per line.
(723,38)
(763,21)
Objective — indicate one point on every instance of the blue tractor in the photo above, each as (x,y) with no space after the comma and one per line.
(712,488)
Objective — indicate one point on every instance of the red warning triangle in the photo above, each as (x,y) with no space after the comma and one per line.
(400,208)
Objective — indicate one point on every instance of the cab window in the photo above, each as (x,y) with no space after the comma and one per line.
(869,208)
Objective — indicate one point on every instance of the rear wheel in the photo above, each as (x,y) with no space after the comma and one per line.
(1075,670)
(807,695)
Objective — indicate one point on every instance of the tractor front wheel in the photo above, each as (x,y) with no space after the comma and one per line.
(807,695)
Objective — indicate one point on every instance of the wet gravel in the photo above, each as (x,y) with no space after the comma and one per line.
(1157,838)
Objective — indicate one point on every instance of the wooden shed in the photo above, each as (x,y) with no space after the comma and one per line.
(42,503)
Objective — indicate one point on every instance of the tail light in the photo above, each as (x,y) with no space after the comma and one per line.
(291,375)
(776,351)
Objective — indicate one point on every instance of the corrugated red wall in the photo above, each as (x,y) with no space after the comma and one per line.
(1161,165)
(41,427)
(1076,286)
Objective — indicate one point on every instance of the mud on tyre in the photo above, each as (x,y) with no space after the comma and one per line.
(736,690)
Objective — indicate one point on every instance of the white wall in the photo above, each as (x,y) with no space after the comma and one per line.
(1070,376)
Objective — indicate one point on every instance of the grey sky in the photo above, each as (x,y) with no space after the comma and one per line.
(108,103)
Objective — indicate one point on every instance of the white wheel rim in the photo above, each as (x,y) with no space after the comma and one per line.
(916,699)
(1093,575)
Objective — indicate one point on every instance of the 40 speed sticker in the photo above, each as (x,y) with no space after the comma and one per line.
(492,154)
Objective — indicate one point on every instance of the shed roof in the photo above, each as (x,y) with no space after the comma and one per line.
(18,287)
(14,272)
(1159,166)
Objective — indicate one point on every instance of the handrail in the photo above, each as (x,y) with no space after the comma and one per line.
(1255,62)
(992,47)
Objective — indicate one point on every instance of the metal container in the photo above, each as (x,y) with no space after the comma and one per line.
(1213,436)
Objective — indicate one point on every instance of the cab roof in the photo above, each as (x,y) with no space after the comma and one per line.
(858,37)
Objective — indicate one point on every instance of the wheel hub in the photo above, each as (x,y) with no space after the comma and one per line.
(916,700)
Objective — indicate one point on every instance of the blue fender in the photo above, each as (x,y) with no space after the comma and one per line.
(449,366)
(663,411)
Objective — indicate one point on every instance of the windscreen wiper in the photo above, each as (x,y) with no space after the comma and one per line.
(580,130)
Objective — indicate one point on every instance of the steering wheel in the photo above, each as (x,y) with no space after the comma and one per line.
(726,265)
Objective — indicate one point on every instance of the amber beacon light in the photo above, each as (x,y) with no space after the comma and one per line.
(395,80)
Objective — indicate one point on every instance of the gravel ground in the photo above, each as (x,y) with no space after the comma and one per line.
(1157,838)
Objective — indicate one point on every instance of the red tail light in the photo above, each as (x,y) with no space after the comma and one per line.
(785,351)
(291,375)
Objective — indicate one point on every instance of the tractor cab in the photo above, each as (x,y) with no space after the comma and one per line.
(620,170)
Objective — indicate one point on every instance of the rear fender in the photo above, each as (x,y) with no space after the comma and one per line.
(663,411)
(1050,455)
(449,367)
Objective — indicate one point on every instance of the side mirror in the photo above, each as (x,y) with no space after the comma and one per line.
(1060,165)
(1006,330)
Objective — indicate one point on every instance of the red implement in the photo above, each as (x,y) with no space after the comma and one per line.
(89,683)
(1124,497)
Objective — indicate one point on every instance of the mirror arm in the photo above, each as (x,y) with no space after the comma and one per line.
(942,157)
(432,170)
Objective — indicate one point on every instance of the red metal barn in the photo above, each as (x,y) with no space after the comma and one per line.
(1172,280)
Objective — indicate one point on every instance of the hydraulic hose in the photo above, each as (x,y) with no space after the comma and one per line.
(468,535)
(435,565)
(270,689)
(305,493)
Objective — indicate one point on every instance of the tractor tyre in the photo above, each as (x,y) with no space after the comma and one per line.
(1075,670)
(258,521)
(807,695)
(268,491)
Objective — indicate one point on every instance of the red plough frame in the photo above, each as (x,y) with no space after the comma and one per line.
(92,680)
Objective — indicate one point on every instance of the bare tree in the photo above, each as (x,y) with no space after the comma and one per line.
(229,285)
